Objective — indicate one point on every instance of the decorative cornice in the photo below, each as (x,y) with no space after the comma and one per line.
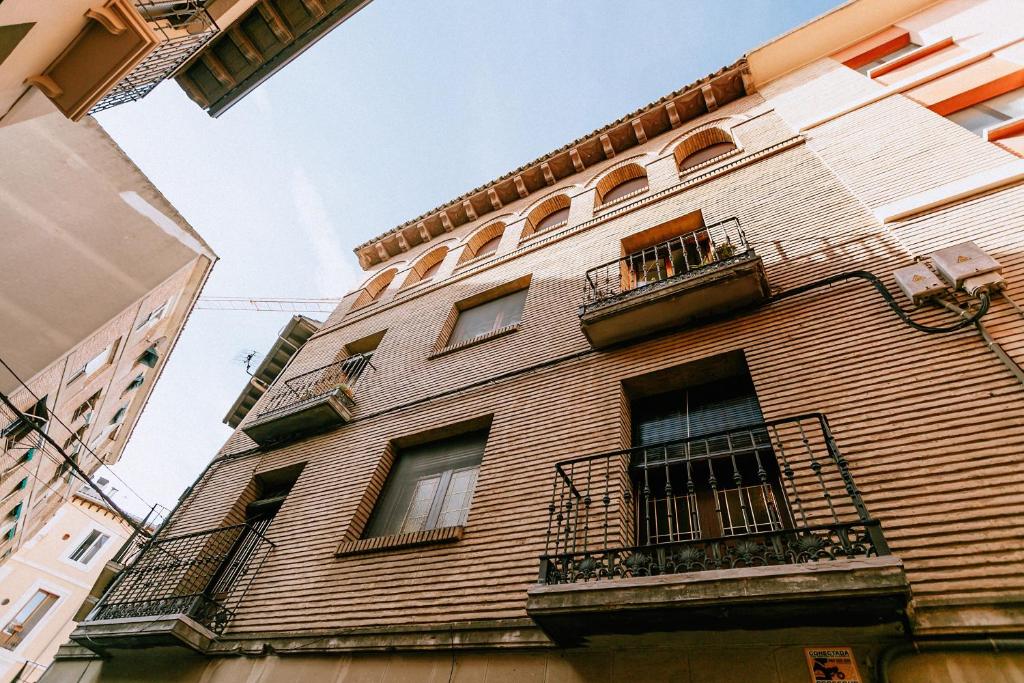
(634,129)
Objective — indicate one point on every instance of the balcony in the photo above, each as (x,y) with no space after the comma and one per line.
(309,403)
(762,525)
(699,275)
(179,591)
(125,49)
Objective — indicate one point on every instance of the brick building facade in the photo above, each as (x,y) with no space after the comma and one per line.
(657,360)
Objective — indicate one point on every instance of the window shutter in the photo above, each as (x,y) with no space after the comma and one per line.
(414,464)
(488,317)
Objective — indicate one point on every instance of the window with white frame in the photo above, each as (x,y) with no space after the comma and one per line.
(154,316)
(991,112)
(87,549)
(98,361)
(27,618)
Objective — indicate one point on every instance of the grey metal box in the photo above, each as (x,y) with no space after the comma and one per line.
(918,282)
(963,261)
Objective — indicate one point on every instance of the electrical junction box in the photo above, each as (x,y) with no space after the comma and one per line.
(919,283)
(966,261)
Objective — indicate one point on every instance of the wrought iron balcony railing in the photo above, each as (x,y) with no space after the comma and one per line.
(775,493)
(339,377)
(202,575)
(184,27)
(697,252)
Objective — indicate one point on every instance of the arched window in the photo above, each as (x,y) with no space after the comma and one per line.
(551,213)
(622,182)
(703,146)
(375,288)
(483,242)
(426,267)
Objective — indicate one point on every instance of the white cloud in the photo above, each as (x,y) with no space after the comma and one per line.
(335,273)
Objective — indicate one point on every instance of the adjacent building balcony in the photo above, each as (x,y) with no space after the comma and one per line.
(702,274)
(762,525)
(125,49)
(181,590)
(309,403)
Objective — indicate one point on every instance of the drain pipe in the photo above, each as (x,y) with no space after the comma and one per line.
(983,645)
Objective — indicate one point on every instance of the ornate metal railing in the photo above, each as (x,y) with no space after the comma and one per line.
(775,493)
(339,378)
(202,575)
(184,26)
(701,251)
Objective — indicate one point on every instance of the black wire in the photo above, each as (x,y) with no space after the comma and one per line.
(984,301)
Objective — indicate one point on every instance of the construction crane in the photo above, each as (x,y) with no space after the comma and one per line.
(269,305)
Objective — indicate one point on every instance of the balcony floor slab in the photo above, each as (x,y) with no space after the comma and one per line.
(155,631)
(852,592)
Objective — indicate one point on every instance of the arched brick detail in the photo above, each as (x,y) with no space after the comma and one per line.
(701,139)
(617,177)
(558,202)
(480,238)
(375,287)
(424,264)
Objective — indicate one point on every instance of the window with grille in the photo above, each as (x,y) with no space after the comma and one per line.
(27,618)
(488,317)
(429,487)
(705,468)
(90,545)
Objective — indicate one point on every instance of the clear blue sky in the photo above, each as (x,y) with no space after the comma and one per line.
(403,107)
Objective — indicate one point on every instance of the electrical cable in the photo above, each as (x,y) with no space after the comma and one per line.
(983,305)
(72,432)
(74,465)
(991,343)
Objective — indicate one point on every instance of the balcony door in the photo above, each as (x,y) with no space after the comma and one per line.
(704,469)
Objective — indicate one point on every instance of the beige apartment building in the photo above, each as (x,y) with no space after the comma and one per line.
(727,390)
(44,585)
(83,56)
(99,276)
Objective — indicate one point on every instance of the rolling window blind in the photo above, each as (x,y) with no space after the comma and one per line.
(488,317)
(426,481)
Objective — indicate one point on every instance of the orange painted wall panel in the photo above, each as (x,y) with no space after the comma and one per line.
(874,47)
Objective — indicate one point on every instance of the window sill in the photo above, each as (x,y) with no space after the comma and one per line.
(479,339)
(362,546)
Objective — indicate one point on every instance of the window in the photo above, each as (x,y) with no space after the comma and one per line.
(555,218)
(621,182)
(426,267)
(429,487)
(706,154)
(20,427)
(87,406)
(702,146)
(888,57)
(723,486)
(154,316)
(990,112)
(96,362)
(488,317)
(551,213)
(135,383)
(483,242)
(89,546)
(489,247)
(118,417)
(149,357)
(27,618)
(375,288)
(359,354)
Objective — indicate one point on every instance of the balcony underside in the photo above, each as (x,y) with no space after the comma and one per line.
(850,592)
(674,302)
(299,419)
(175,630)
